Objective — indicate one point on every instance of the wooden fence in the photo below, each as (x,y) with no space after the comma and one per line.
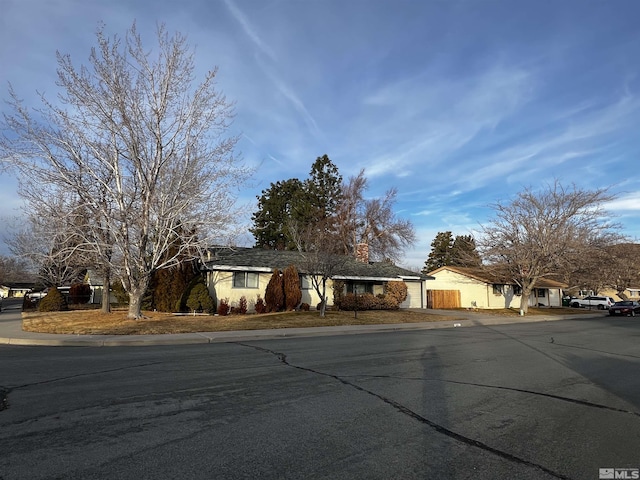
(443,299)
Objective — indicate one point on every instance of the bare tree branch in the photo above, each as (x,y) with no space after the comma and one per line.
(543,234)
(142,151)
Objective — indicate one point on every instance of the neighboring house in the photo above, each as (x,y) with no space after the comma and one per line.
(15,289)
(96,283)
(481,288)
(631,293)
(236,272)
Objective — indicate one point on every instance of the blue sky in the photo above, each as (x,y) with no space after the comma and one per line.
(458,104)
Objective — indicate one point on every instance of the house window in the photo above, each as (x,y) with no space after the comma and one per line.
(359,288)
(542,293)
(305,282)
(497,289)
(245,280)
(517,290)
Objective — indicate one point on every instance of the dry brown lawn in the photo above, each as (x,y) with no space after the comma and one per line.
(93,322)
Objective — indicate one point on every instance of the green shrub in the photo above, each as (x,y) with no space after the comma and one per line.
(120,293)
(53,301)
(199,299)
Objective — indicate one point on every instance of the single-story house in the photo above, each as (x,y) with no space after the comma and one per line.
(485,288)
(15,289)
(96,284)
(234,272)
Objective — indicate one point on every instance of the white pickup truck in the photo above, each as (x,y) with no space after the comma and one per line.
(593,301)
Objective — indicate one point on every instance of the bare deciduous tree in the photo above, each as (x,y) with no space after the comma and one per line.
(541,234)
(371,221)
(624,259)
(14,269)
(322,256)
(141,148)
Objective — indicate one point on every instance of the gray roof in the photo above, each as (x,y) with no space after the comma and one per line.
(258,259)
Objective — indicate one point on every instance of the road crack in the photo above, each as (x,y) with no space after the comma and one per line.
(511,389)
(412,414)
(86,374)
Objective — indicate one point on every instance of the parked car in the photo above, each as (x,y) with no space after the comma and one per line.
(626,307)
(601,303)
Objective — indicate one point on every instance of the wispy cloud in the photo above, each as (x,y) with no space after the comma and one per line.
(250,30)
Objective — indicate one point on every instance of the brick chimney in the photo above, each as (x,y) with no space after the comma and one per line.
(362,252)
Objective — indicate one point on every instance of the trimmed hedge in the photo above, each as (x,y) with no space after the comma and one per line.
(367,301)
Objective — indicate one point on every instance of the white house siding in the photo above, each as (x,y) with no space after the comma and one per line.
(473,293)
(220,285)
(480,294)
(552,298)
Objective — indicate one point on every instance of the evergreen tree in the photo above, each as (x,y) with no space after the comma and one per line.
(292,292)
(274,294)
(440,254)
(288,205)
(464,252)
(323,188)
(280,204)
(199,299)
(457,252)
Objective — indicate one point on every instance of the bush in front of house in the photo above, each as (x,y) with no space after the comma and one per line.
(120,293)
(260,307)
(292,291)
(53,301)
(305,307)
(367,301)
(79,293)
(338,291)
(199,299)
(223,307)
(397,290)
(274,294)
(241,308)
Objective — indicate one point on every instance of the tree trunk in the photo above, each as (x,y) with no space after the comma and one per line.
(323,298)
(524,300)
(106,294)
(135,303)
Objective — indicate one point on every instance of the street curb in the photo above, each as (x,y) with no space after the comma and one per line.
(52,340)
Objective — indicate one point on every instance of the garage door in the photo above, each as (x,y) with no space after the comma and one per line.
(414,295)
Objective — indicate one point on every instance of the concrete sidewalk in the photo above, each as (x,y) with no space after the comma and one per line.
(11,332)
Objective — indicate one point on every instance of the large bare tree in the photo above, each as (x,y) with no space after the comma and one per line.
(321,255)
(541,234)
(142,149)
(360,220)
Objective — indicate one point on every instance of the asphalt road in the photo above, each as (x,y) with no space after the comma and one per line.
(531,401)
